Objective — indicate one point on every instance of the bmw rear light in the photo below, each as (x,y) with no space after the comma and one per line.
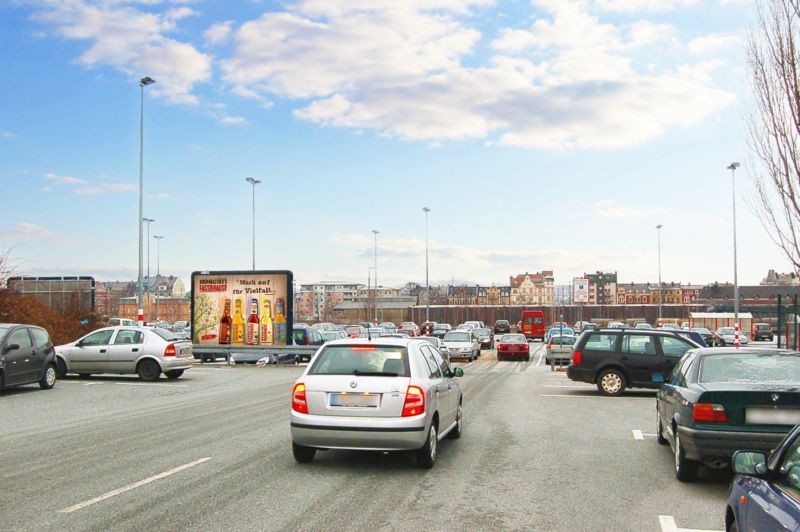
(170,350)
(299,403)
(415,402)
(709,413)
(577,358)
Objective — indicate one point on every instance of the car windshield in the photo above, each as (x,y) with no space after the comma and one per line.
(513,339)
(353,330)
(751,368)
(169,336)
(329,335)
(431,339)
(763,327)
(726,330)
(442,328)
(563,340)
(368,360)
(702,330)
(457,336)
(482,332)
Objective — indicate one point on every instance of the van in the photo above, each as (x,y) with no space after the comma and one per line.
(533,324)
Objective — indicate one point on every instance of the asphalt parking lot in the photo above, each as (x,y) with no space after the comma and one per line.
(212,451)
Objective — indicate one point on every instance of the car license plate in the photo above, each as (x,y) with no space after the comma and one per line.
(355,400)
(772,416)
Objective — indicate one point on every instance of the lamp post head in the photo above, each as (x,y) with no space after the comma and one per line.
(375,231)
(147,80)
(659,227)
(427,210)
(158,237)
(734,166)
(148,220)
(252,181)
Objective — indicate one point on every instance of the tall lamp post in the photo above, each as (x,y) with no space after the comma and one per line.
(147,284)
(660,292)
(426,210)
(732,167)
(375,232)
(158,270)
(145,81)
(254,182)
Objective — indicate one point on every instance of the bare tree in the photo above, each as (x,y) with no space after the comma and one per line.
(774,128)
(8,266)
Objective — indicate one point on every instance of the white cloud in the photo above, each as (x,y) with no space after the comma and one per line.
(27,232)
(642,5)
(218,34)
(710,44)
(612,211)
(6,134)
(63,180)
(228,120)
(106,187)
(133,42)
(569,81)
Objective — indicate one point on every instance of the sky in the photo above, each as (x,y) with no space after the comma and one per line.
(542,134)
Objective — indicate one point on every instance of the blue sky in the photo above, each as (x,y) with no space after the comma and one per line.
(543,134)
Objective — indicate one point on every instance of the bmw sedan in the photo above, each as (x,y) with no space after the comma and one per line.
(718,400)
(384,394)
(135,350)
(765,495)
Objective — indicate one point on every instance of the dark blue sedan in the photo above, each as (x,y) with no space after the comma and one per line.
(765,495)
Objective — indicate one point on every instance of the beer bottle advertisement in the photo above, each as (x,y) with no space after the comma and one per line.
(241,307)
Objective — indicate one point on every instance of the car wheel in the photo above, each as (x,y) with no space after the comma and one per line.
(303,454)
(547,361)
(685,470)
(527,357)
(659,430)
(61,368)
(611,382)
(456,432)
(173,374)
(426,455)
(148,370)
(49,379)
(732,526)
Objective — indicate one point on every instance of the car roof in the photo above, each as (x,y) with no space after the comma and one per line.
(705,351)
(378,341)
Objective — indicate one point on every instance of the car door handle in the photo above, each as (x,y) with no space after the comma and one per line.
(102,350)
(135,349)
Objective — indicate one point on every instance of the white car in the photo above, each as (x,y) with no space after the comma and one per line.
(461,344)
(122,350)
(726,336)
(385,394)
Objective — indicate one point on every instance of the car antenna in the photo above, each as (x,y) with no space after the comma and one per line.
(369,335)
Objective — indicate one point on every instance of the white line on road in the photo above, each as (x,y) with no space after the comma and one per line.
(135,485)
(151,384)
(91,383)
(668,524)
(637,435)
(576,396)
(573,386)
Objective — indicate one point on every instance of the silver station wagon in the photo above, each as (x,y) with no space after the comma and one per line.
(384,394)
(140,350)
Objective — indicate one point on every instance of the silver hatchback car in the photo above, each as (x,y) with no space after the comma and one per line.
(384,394)
(141,350)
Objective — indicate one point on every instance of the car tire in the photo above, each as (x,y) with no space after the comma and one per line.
(303,454)
(49,378)
(173,374)
(732,526)
(685,470)
(547,361)
(61,368)
(426,455)
(457,430)
(611,383)
(527,358)
(148,370)
(659,430)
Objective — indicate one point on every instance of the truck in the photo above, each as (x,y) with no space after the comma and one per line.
(244,316)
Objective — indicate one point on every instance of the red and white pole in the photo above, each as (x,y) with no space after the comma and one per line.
(736,335)
(140,317)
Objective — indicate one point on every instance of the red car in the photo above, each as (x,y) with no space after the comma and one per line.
(409,327)
(513,346)
(354,331)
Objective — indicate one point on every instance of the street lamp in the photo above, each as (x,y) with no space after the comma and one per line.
(254,182)
(142,84)
(660,293)
(147,284)
(426,210)
(376,273)
(732,167)
(158,269)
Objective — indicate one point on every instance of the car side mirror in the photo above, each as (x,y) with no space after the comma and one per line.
(750,463)
(10,347)
(458,372)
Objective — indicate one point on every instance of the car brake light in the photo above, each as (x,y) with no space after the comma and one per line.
(709,413)
(415,402)
(364,348)
(299,398)
(577,358)
(550,344)
(170,350)
(502,347)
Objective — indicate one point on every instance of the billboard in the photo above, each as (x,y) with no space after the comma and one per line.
(580,290)
(242,308)
(60,293)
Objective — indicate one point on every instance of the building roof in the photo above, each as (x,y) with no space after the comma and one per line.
(517,280)
(720,315)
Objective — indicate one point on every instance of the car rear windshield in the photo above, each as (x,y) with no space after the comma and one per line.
(501,322)
(563,340)
(169,336)
(751,368)
(763,327)
(702,330)
(3,331)
(513,339)
(457,336)
(369,360)
(482,332)
(353,330)
(726,330)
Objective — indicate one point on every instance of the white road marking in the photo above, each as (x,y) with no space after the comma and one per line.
(576,396)
(637,435)
(151,384)
(539,362)
(668,524)
(92,383)
(573,386)
(135,485)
